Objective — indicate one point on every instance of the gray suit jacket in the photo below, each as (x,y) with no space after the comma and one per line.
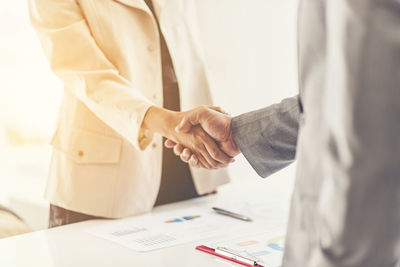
(346,202)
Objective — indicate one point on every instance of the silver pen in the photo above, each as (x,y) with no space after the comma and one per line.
(232,214)
(235,256)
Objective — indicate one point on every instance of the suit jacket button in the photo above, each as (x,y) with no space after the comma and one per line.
(150,48)
(80,153)
(154,145)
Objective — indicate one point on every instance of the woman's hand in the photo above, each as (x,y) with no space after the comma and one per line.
(185,154)
(205,149)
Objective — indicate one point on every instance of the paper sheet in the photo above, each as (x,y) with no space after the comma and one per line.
(169,228)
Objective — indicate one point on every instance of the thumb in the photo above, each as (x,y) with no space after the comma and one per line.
(218,109)
(190,119)
(184,126)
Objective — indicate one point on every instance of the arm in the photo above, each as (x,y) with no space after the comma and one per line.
(75,57)
(268,137)
(359,205)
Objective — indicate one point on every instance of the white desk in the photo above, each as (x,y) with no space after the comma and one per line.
(70,246)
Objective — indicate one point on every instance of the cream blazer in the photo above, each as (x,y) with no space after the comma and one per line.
(107,53)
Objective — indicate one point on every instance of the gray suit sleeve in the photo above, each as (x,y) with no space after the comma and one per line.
(359,205)
(268,137)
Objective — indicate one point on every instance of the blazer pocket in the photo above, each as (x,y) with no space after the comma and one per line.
(86,147)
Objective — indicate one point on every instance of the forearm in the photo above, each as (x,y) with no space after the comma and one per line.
(161,121)
(268,137)
(85,70)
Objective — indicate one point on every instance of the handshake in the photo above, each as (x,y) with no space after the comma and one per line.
(203,138)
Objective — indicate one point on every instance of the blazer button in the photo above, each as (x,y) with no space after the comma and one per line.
(80,153)
(154,145)
(151,48)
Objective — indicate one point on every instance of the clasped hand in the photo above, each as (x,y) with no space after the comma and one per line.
(205,123)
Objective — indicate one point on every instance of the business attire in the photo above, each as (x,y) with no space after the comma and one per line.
(109,55)
(344,131)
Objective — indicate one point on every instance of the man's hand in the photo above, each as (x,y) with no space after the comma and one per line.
(215,122)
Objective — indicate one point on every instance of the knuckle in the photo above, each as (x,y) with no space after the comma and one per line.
(187,152)
(177,151)
(183,158)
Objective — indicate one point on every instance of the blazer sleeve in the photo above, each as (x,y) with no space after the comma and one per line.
(268,137)
(75,58)
(359,205)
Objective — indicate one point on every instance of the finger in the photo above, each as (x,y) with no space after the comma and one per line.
(191,118)
(203,161)
(185,125)
(221,166)
(230,148)
(201,166)
(185,156)
(213,163)
(194,161)
(219,109)
(178,149)
(201,139)
(169,144)
(215,152)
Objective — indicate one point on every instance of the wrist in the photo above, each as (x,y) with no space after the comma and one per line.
(233,145)
(231,140)
(160,120)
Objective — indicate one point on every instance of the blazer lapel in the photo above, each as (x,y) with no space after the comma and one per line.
(139,4)
(158,7)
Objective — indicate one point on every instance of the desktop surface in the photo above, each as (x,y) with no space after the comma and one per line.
(70,245)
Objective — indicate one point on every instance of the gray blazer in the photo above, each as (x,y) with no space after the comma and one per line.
(346,203)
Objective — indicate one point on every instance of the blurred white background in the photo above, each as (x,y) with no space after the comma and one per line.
(249,47)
